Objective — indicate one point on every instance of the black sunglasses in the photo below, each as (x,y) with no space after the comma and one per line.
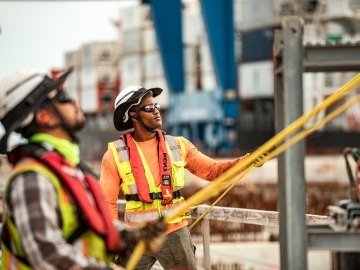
(150,107)
(63,97)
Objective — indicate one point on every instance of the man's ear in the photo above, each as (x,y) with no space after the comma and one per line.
(42,117)
(132,115)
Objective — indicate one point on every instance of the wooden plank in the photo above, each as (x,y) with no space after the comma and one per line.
(242,215)
(251,216)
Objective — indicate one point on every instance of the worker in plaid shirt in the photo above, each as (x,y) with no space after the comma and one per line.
(55,214)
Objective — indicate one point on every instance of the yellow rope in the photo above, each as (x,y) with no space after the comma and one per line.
(214,188)
(218,185)
(234,182)
(282,148)
(317,125)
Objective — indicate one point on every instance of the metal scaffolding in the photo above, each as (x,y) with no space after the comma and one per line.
(291,59)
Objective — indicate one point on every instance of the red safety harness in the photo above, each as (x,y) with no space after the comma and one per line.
(94,215)
(139,171)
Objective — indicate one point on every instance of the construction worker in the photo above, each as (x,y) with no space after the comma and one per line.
(149,167)
(55,215)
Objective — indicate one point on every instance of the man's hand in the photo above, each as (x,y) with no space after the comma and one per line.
(153,234)
(261,160)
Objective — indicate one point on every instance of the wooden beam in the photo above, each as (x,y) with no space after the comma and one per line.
(251,216)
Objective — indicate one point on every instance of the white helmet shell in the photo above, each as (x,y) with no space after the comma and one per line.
(21,93)
(125,94)
(17,86)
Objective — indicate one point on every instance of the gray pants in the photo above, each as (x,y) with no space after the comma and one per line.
(177,253)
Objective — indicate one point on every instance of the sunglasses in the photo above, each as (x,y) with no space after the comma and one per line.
(150,107)
(63,97)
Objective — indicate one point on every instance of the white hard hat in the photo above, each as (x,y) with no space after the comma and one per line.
(126,99)
(21,93)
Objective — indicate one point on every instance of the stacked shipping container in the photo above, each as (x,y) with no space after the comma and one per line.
(140,62)
(95,80)
(135,57)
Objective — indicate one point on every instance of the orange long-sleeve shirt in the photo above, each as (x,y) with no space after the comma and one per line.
(196,162)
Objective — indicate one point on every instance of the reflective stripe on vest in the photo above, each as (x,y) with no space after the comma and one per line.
(137,212)
(134,218)
(92,244)
(176,149)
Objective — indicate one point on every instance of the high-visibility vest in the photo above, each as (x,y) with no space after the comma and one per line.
(92,244)
(138,213)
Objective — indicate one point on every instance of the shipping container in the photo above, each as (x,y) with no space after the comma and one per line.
(88,75)
(153,66)
(100,53)
(99,87)
(325,9)
(73,58)
(131,81)
(206,58)
(89,97)
(131,66)
(150,41)
(192,82)
(312,34)
(200,81)
(252,14)
(192,59)
(257,45)
(198,58)
(317,87)
(338,8)
(132,41)
(256,80)
(193,25)
(135,17)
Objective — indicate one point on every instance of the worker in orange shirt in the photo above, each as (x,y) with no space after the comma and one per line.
(149,168)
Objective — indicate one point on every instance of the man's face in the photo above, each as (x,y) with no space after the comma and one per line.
(149,113)
(70,111)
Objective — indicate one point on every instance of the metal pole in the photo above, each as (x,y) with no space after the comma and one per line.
(289,107)
(206,242)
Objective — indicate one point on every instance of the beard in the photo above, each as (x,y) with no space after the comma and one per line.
(79,125)
(80,121)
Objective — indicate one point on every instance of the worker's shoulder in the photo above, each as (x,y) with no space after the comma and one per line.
(31,171)
(174,138)
(118,142)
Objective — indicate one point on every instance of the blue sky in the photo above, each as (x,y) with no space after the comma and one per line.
(36,34)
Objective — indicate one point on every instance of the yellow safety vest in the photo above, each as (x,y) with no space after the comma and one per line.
(138,213)
(92,244)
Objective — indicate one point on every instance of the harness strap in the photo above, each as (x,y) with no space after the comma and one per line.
(121,150)
(153,196)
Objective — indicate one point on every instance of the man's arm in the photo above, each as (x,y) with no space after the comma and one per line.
(204,166)
(110,183)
